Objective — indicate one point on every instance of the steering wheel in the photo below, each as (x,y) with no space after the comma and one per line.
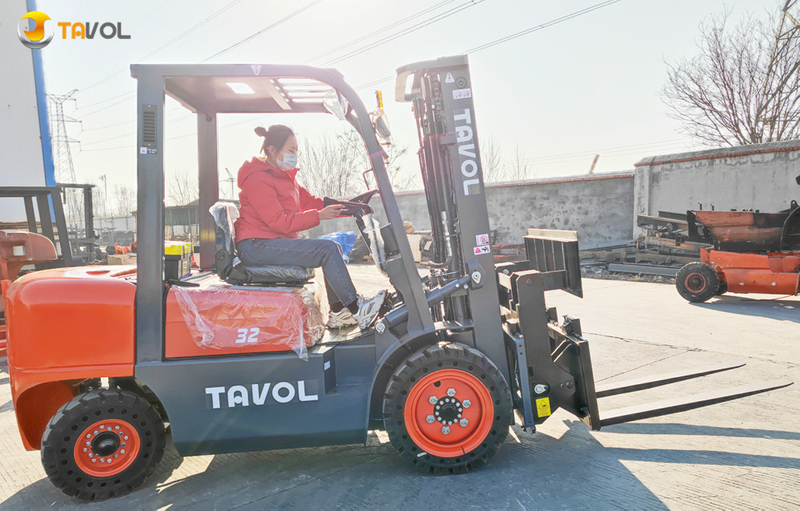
(358,207)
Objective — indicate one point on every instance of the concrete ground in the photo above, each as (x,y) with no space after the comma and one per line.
(743,454)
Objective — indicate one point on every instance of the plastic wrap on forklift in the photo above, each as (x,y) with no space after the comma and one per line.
(219,319)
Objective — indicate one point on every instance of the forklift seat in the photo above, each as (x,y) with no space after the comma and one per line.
(233,271)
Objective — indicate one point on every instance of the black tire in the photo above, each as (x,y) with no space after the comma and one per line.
(722,289)
(697,282)
(68,427)
(448,359)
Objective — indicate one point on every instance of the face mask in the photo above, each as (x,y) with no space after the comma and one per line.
(289,162)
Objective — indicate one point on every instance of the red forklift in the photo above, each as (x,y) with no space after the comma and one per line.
(106,361)
(752,252)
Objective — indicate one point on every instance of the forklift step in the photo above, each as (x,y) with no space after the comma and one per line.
(623,387)
(684,403)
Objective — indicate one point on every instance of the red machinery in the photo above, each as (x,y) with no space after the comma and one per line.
(18,249)
(752,252)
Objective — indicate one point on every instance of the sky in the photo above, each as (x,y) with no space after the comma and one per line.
(559,95)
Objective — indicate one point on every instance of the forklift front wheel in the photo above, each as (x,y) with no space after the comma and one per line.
(102,444)
(697,282)
(447,409)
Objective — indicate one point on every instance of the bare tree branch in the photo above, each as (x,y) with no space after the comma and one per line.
(744,85)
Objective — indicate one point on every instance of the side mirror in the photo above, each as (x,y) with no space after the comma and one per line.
(336,104)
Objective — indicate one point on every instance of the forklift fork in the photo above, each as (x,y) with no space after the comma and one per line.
(552,362)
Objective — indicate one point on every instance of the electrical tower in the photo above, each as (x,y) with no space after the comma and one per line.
(62,155)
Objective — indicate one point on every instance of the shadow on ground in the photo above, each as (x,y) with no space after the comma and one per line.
(778,309)
(539,471)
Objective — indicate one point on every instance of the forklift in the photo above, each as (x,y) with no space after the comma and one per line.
(459,356)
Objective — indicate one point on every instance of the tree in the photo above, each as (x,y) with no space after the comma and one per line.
(333,167)
(124,201)
(744,86)
(183,189)
(520,169)
(492,161)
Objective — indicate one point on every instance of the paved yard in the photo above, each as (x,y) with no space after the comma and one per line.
(739,455)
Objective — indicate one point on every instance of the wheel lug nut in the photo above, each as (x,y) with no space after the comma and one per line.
(430,419)
(102,427)
(122,451)
(445,430)
(91,455)
(102,460)
(126,438)
(464,423)
(432,400)
(88,435)
(95,432)
(87,443)
(85,449)
(117,427)
(116,455)
(109,460)
(451,392)
(94,460)
(466,403)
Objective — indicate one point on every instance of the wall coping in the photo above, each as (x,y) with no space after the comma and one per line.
(542,181)
(723,152)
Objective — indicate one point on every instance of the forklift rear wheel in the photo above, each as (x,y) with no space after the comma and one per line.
(697,282)
(102,444)
(447,409)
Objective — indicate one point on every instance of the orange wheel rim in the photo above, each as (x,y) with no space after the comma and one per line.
(107,447)
(695,282)
(448,413)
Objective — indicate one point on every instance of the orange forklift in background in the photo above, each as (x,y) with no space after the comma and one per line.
(752,252)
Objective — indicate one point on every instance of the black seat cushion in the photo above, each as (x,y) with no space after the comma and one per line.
(280,273)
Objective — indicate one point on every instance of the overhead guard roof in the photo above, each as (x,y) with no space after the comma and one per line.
(277,89)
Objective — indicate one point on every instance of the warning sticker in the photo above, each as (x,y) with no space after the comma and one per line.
(142,150)
(462,93)
(483,249)
(482,239)
(449,78)
(543,407)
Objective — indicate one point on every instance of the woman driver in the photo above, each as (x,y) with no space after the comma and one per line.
(274,208)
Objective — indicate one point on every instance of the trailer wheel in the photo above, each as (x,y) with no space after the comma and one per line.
(447,409)
(102,444)
(697,282)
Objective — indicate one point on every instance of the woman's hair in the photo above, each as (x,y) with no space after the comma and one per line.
(275,136)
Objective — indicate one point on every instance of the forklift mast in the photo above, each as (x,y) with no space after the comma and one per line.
(441,96)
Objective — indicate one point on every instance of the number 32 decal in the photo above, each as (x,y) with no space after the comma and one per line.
(244,337)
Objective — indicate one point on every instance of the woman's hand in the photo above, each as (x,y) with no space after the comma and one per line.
(330,212)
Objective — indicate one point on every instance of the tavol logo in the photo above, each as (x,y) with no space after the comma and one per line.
(40,35)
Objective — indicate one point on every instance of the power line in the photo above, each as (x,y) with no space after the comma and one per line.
(543,26)
(167,44)
(138,23)
(423,24)
(510,37)
(265,29)
(129,133)
(217,13)
(378,31)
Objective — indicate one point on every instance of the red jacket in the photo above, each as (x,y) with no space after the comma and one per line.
(272,204)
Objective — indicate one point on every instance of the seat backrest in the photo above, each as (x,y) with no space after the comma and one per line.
(225,214)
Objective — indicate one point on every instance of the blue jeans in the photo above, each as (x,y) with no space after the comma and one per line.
(310,253)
